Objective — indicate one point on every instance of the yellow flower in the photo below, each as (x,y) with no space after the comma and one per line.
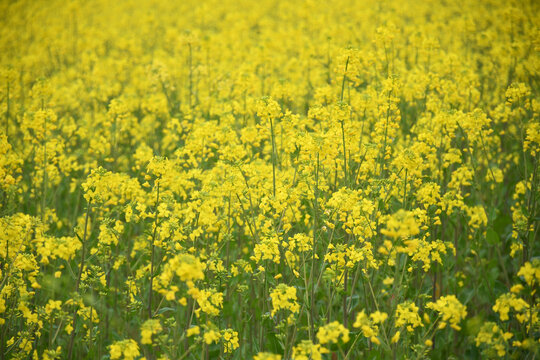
(306,350)
(378,317)
(368,325)
(407,314)
(194,330)
(531,272)
(395,338)
(266,356)
(211,336)
(230,340)
(126,348)
(332,332)
(149,328)
(516,289)
(450,309)
(492,339)
(268,108)
(284,297)
(506,302)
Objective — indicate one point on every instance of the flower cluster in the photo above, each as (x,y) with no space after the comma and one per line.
(269,179)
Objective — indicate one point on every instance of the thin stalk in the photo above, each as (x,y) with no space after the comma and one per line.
(345,281)
(78,283)
(44,190)
(190,75)
(312,275)
(344,78)
(7,110)
(153,251)
(344,151)
(342,122)
(273,156)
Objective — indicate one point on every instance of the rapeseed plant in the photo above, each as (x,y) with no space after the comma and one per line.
(269,180)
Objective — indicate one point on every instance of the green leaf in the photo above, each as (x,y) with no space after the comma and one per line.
(165,309)
(492,237)
(502,224)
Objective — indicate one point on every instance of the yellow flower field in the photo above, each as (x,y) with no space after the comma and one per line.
(269,180)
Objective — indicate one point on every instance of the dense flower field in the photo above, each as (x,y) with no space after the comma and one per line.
(269,179)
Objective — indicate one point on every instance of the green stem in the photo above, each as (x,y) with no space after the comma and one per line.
(78,283)
(273,157)
(153,252)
